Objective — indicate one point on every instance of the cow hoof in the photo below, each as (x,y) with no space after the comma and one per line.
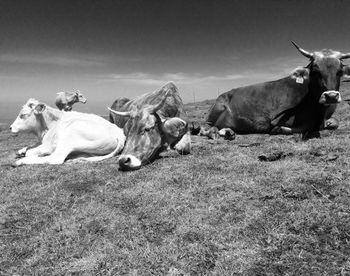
(227,133)
(331,124)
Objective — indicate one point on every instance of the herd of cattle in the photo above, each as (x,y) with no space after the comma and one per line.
(140,129)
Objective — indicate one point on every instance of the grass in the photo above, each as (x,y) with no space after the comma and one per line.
(218,211)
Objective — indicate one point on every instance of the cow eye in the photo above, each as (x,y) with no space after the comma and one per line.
(22,116)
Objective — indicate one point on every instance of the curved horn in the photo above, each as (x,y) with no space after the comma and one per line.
(120,113)
(303,52)
(344,56)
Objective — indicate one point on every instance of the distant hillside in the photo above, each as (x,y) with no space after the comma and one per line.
(198,110)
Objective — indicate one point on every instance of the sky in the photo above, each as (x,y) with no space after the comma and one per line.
(112,49)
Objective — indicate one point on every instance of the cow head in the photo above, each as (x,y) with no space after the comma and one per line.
(326,69)
(147,135)
(29,119)
(80,97)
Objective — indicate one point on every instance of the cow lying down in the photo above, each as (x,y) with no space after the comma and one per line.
(65,133)
(151,122)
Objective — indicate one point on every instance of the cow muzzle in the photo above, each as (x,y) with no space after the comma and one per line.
(330,97)
(13,129)
(129,163)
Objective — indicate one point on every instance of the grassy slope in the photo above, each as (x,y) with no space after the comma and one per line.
(217,211)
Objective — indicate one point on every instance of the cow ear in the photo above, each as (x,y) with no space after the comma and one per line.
(175,128)
(300,74)
(39,108)
(346,71)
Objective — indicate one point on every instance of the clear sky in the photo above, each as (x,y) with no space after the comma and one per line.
(110,49)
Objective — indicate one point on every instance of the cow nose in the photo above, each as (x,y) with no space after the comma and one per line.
(333,96)
(129,162)
(124,161)
(330,97)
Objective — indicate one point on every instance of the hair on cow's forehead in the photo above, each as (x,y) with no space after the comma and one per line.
(328,61)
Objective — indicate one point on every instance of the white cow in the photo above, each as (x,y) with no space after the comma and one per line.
(62,133)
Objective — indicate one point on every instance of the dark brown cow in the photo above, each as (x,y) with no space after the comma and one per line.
(151,122)
(302,102)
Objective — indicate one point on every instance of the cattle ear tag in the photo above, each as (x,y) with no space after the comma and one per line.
(299,80)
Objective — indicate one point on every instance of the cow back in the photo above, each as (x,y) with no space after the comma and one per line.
(173,106)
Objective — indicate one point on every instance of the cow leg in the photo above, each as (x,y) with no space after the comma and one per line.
(57,157)
(282,130)
(23,151)
(38,151)
(184,145)
(310,135)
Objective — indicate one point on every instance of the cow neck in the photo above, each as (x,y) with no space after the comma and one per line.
(47,119)
(42,130)
(160,128)
(312,99)
(72,98)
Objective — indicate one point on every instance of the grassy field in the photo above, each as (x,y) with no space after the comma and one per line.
(218,211)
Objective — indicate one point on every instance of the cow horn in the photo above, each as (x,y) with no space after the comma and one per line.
(121,113)
(344,56)
(302,51)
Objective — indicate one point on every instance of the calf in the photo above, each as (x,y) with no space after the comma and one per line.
(65,100)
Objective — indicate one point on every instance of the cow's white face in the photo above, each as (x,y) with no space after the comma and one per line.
(26,120)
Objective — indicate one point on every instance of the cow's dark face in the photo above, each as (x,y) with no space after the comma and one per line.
(326,69)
